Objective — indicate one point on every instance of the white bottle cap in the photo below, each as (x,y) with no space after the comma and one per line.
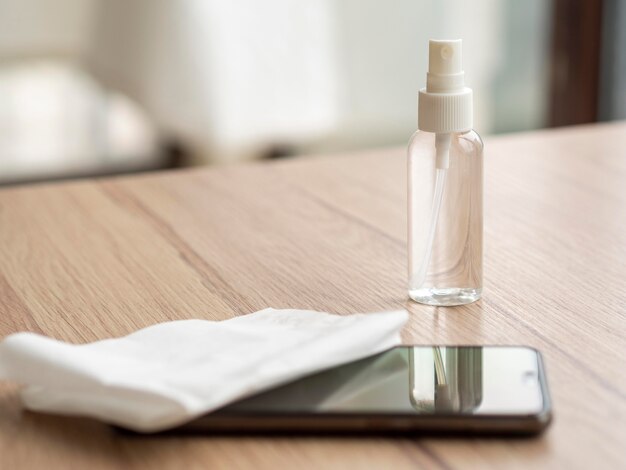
(445,105)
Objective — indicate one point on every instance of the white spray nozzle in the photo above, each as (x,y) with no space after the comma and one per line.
(445,69)
(445,104)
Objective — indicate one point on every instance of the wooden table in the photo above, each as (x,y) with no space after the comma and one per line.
(87,260)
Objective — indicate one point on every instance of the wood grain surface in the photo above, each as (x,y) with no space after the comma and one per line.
(86,260)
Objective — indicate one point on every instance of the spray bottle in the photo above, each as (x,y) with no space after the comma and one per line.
(445,200)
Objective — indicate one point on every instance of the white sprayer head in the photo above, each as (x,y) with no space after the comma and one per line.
(445,105)
(445,69)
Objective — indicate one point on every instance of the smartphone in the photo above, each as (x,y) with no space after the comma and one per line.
(443,389)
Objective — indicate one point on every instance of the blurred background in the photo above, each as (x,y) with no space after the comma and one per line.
(99,87)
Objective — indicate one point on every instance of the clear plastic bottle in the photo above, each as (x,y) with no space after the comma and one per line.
(445,189)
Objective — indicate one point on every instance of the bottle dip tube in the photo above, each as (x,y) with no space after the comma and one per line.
(445,187)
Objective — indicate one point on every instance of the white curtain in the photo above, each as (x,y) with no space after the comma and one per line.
(233,78)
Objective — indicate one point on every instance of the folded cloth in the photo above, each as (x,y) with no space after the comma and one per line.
(167,374)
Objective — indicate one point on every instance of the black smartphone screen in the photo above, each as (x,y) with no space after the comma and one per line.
(408,382)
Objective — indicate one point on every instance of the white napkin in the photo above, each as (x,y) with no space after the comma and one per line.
(169,373)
